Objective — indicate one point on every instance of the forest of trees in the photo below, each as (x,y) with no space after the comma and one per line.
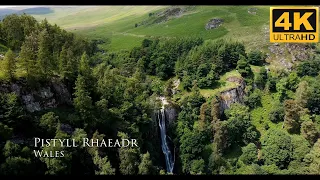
(113,96)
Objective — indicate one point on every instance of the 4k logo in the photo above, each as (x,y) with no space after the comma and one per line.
(294,24)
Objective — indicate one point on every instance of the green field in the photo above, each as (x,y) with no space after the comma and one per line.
(118,23)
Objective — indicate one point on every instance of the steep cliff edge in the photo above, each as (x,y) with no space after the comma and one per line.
(233,95)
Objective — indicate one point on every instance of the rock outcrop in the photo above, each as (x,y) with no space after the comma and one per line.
(233,95)
(214,23)
(170,110)
(288,54)
(171,114)
(48,96)
(252,11)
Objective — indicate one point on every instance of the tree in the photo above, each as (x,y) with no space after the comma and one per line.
(11,149)
(16,166)
(58,166)
(13,114)
(313,159)
(293,81)
(13,31)
(239,125)
(5,132)
(63,61)
(281,87)
(28,57)
(301,147)
(197,167)
(249,154)
(220,136)
(84,67)
(68,63)
(308,68)
(2,36)
(82,101)
(256,57)
(72,65)
(146,43)
(252,169)
(271,169)
(261,78)
(44,62)
(49,122)
(29,24)
(243,67)
(191,146)
(309,131)
(129,158)
(277,148)
(302,93)
(271,83)
(216,162)
(314,96)
(93,149)
(254,99)
(292,116)
(10,65)
(146,167)
(103,165)
(277,113)
(169,88)
(86,72)
(78,136)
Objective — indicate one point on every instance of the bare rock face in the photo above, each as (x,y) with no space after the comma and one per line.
(176,84)
(288,54)
(174,12)
(48,96)
(170,110)
(234,95)
(66,128)
(171,114)
(252,11)
(30,103)
(214,23)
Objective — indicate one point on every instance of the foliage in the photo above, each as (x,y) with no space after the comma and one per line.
(10,65)
(249,154)
(277,113)
(146,167)
(256,57)
(49,121)
(243,67)
(277,148)
(254,99)
(239,127)
(103,165)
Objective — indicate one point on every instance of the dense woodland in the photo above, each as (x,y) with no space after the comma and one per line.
(114,96)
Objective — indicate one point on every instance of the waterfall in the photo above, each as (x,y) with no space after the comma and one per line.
(164,144)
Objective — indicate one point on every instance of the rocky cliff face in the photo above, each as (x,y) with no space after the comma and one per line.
(171,114)
(48,96)
(170,111)
(234,95)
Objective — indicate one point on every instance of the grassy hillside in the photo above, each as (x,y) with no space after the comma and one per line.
(118,23)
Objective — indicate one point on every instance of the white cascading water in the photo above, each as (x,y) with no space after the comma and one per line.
(164,144)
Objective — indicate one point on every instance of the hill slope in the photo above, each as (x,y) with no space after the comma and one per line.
(20,10)
(246,23)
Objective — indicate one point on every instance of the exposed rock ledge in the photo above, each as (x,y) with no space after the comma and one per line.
(49,96)
(234,95)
